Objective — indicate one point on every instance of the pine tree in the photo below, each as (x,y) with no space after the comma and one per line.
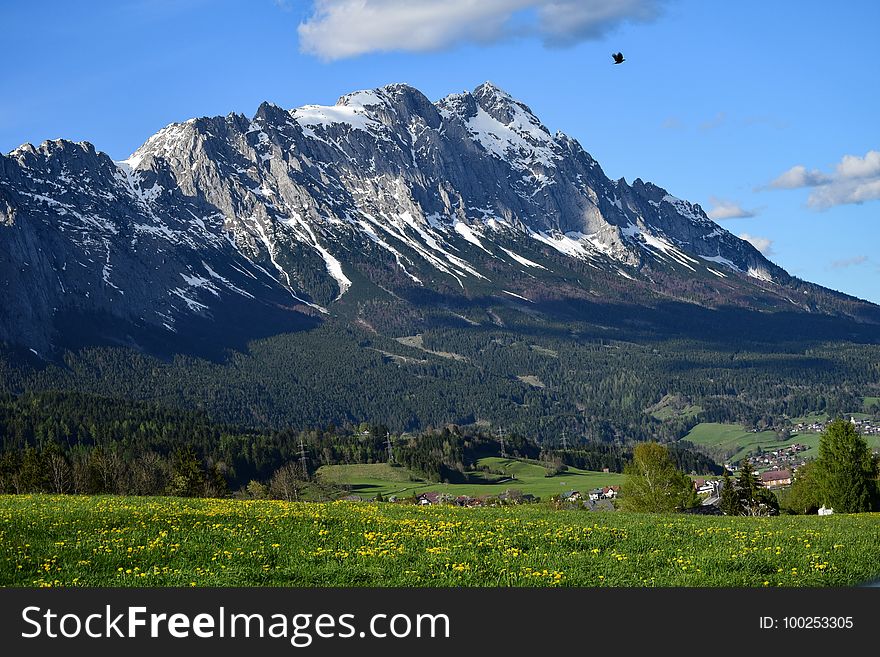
(730,502)
(804,495)
(755,500)
(846,470)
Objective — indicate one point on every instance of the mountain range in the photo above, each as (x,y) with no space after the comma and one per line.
(289,211)
(421,232)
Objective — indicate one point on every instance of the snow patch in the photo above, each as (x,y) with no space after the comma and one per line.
(270,248)
(368,229)
(327,115)
(522,142)
(363,98)
(225,282)
(686,209)
(565,244)
(334,268)
(521,260)
(721,260)
(658,245)
(468,234)
(517,296)
(192,304)
(199,282)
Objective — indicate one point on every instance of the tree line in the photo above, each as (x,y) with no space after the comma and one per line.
(598,383)
(62,442)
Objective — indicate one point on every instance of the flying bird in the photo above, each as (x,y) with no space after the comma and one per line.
(618,58)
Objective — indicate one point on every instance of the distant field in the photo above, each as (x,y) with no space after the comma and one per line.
(731,440)
(672,406)
(870,401)
(737,442)
(810,418)
(125,541)
(668,413)
(368,480)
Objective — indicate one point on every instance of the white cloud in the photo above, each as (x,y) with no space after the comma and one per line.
(852,166)
(842,192)
(798,176)
(728,210)
(347,28)
(854,180)
(849,262)
(763,244)
(566,22)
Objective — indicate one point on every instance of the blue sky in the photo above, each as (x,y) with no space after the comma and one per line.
(767,113)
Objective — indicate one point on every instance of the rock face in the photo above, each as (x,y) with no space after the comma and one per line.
(280,216)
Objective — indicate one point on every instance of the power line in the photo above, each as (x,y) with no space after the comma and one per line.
(303,461)
(501,439)
(388,447)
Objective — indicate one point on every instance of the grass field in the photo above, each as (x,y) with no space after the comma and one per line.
(673,406)
(810,417)
(367,480)
(733,441)
(736,442)
(116,541)
(670,413)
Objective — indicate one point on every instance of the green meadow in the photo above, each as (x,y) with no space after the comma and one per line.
(125,541)
(368,480)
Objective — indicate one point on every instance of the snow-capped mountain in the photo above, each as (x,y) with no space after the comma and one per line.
(286,213)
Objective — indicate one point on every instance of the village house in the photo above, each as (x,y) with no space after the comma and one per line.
(707,486)
(776,478)
(610,492)
(428,498)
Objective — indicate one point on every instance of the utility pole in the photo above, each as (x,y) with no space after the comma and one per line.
(388,447)
(501,439)
(303,461)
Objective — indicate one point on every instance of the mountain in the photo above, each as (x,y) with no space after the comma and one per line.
(284,214)
(410,263)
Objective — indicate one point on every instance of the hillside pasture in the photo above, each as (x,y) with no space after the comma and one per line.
(500,474)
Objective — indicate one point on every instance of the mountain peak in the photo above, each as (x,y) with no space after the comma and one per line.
(362,98)
(271,113)
(391,104)
(504,108)
(490,88)
(388,94)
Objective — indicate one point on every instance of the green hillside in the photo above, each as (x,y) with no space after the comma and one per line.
(733,443)
(368,480)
